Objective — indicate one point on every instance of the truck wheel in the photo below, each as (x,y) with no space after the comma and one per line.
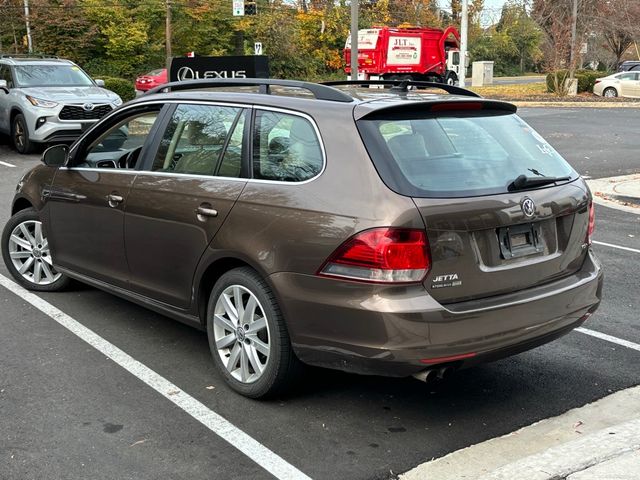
(451,79)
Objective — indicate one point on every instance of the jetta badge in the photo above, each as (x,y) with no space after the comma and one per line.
(528,207)
(88,107)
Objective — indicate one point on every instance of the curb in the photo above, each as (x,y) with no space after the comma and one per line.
(575,104)
(545,450)
(571,457)
(621,193)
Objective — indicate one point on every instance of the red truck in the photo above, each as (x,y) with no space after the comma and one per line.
(388,53)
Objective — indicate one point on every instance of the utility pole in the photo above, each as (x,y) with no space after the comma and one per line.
(26,19)
(354,39)
(168,35)
(464,29)
(574,26)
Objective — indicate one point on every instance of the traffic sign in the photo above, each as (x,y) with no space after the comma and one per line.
(238,8)
(257,48)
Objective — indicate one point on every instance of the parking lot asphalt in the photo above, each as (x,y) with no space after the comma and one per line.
(68,411)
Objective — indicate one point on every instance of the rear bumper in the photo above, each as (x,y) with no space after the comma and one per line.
(389,330)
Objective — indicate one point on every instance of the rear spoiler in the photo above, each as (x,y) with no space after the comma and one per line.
(444,105)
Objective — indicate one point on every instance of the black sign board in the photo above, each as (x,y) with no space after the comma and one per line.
(199,68)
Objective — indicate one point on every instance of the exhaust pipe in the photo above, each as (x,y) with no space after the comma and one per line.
(426,376)
(445,372)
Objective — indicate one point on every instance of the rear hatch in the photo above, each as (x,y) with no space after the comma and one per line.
(502,209)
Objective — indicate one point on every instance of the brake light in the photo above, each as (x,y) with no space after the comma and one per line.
(445,107)
(598,81)
(592,223)
(381,255)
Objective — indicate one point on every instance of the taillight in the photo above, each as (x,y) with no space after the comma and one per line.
(592,223)
(381,255)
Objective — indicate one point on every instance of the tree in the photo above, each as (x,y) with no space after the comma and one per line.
(523,33)
(619,23)
(554,18)
(60,28)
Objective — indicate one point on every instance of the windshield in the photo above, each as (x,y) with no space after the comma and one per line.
(51,76)
(458,154)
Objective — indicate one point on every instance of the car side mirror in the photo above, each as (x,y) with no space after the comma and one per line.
(3,86)
(55,156)
(99,82)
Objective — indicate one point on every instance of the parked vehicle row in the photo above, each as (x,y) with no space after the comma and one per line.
(388,232)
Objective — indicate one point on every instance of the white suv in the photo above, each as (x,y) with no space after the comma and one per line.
(45,100)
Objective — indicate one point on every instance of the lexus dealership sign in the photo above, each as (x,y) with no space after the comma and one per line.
(199,68)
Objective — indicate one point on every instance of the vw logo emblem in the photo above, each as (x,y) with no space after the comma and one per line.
(186,73)
(88,107)
(528,207)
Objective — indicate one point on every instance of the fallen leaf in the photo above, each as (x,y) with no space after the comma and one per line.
(138,442)
(210,387)
(173,392)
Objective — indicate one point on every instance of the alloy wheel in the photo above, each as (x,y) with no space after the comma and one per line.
(241,333)
(30,255)
(19,134)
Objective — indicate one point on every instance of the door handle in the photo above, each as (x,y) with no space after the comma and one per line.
(206,211)
(114,199)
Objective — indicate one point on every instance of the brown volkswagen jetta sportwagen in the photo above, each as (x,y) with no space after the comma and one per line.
(385,231)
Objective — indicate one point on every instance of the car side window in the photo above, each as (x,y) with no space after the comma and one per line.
(5,74)
(285,147)
(120,145)
(627,76)
(195,139)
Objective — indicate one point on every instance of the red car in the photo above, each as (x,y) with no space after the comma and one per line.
(151,80)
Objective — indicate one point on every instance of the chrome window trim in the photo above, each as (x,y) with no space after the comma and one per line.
(213,177)
(103,170)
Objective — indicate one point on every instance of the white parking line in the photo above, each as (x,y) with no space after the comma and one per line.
(7,164)
(634,250)
(253,449)
(609,338)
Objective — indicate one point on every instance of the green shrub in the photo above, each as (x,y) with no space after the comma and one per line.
(121,86)
(586,80)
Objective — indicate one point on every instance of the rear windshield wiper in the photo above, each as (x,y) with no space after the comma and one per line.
(522,181)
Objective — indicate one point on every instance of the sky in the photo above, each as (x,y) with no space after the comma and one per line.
(490,14)
(487,3)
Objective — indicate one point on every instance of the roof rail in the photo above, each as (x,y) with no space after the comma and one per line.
(321,92)
(27,55)
(401,86)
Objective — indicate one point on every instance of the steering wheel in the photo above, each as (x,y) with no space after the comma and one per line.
(129,159)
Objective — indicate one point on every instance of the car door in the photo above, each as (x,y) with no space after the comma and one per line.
(5,99)
(88,197)
(178,203)
(634,87)
(627,84)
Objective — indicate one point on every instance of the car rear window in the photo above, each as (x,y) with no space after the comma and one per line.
(457,154)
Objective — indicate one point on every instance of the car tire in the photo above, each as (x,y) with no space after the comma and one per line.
(610,92)
(253,353)
(20,135)
(26,254)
